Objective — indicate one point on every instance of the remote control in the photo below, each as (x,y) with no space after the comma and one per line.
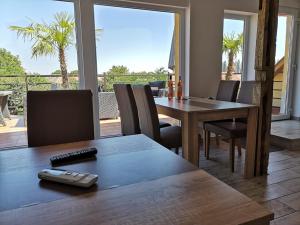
(68,177)
(74,156)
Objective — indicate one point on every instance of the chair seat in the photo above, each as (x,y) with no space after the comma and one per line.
(227,129)
(163,124)
(171,137)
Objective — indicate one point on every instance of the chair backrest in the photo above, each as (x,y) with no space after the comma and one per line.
(56,117)
(228,90)
(147,111)
(128,110)
(247,92)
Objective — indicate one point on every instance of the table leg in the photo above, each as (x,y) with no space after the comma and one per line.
(251,150)
(190,138)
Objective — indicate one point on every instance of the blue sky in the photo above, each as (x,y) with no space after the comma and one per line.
(138,39)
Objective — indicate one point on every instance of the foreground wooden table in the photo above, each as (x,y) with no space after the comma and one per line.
(140,183)
(191,111)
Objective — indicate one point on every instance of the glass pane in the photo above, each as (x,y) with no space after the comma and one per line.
(233,47)
(134,47)
(281,72)
(37,52)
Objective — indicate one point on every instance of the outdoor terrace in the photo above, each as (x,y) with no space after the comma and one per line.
(14,134)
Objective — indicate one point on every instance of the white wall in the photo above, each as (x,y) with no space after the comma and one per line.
(290,3)
(206,35)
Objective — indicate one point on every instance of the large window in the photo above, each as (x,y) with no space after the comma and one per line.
(37,52)
(136,45)
(133,46)
(233,48)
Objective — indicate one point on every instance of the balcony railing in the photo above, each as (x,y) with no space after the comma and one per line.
(277,88)
(20,84)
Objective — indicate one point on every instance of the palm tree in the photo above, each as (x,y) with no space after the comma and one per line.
(50,39)
(232,45)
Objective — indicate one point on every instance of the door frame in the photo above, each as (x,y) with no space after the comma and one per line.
(246,18)
(179,9)
(86,42)
(287,102)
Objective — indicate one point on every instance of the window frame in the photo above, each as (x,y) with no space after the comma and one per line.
(181,10)
(287,105)
(86,49)
(246,31)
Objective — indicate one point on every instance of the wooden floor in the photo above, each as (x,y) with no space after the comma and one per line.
(14,133)
(279,191)
(286,134)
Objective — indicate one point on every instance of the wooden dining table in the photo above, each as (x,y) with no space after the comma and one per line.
(193,110)
(140,182)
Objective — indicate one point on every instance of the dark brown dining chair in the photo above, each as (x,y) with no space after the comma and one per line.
(56,117)
(231,130)
(170,137)
(128,110)
(227,91)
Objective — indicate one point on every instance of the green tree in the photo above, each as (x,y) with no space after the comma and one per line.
(74,72)
(12,79)
(10,64)
(232,45)
(49,39)
(56,72)
(118,70)
(161,71)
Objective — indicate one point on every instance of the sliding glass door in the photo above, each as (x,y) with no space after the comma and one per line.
(284,68)
(135,46)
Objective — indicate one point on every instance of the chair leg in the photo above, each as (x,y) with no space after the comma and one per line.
(218,140)
(232,153)
(206,143)
(239,145)
(177,150)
